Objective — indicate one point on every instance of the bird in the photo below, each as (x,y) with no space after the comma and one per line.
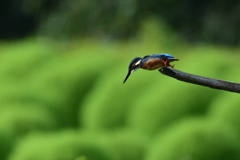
(150,62)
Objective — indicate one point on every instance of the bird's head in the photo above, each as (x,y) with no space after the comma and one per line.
(133,66)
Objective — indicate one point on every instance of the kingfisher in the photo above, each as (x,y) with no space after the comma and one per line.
(150,62)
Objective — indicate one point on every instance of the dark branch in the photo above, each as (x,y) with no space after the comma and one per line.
(204,81)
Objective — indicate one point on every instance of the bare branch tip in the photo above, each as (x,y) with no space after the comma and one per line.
(203,81)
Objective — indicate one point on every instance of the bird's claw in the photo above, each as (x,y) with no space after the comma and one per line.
(166,64)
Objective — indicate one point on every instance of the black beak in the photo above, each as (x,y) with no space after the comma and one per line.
(129,72)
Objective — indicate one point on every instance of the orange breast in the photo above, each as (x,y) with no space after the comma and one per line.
(152,64)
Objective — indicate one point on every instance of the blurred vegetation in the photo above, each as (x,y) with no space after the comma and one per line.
(195,21)
(68,102)
(64,100)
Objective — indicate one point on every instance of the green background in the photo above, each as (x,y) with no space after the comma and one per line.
(61,102)
(62,97)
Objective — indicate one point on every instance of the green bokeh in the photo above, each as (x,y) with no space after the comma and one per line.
(67,102)
(196,139)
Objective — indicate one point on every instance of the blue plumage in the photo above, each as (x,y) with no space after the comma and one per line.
(161,56)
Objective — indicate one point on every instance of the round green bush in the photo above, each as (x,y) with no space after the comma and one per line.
(196,139)
(127,145)
(21,119)
(65,82)
(226,109)
(20,59)
(71,145)
(64,146)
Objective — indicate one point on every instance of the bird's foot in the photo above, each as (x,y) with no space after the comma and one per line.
(166,63)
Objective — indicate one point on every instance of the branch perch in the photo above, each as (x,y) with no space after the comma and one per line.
(203,81)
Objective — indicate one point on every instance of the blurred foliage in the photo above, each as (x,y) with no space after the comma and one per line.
(67,101)
(75,145)
(195,21)
(196,139)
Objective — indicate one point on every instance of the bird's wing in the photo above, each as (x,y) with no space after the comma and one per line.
(165,56)
(146,56)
